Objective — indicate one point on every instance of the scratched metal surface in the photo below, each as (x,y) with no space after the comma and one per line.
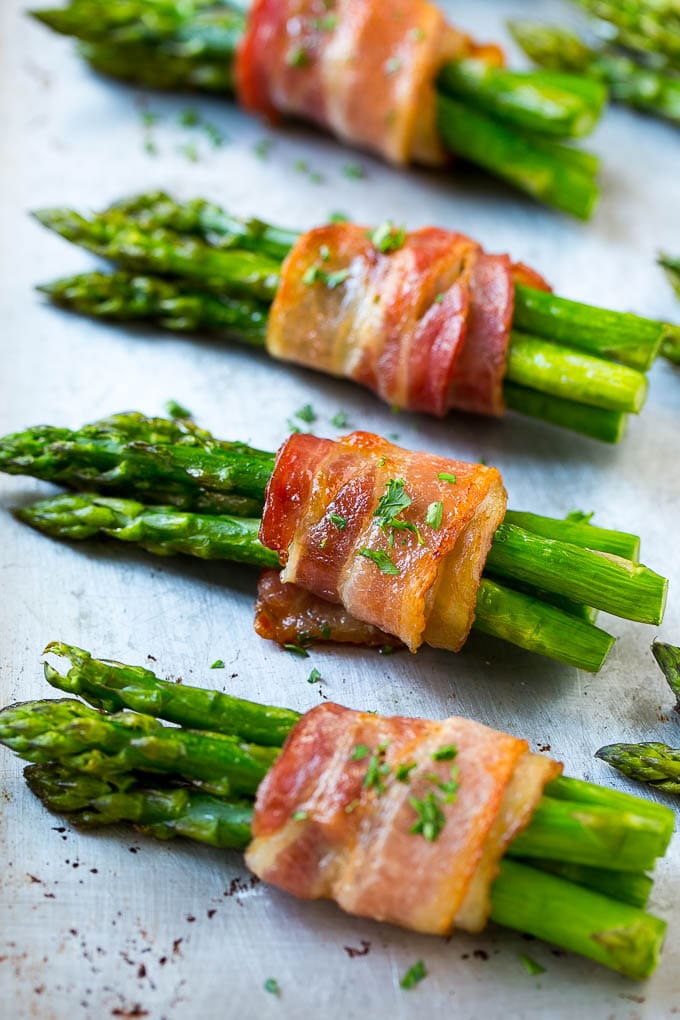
(113,924)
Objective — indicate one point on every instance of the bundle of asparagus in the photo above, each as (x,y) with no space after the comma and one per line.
(510,124)
(174,488)
(652,762)
(192,266)
(637,54)
(577,876)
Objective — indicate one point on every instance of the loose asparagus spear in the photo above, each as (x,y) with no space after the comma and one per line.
(650,762)
(649,27)
(182,47)
(671,345)
(668,658)
(645,88)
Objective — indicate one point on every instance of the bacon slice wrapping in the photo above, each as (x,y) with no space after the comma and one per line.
(411,579)
(425,326)
(363,69)
(323,830)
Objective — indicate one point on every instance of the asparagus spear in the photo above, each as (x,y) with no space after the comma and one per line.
(113,686)
(668,658)
(645,88)
(671,345)
(650,27)
(650,762)
(162,812)
(109,745)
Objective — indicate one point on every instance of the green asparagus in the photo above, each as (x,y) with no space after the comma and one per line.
(668,658)
(650,762)
(173,45)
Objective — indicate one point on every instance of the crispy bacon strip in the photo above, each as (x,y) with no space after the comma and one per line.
(410,579)
(363,69)
(331,824)
(426,326)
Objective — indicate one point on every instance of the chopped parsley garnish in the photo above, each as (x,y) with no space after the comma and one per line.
(339,521)
(414,975)
(263,148)
(381,559)
(392,65)
(376,771)
(580,516)
(325,631)
(190,151)
(325,24)
(447,753)
(214,134)
(314,676)
(446,476)
(306,414)
(297,56)
(315,274)
(297,650)
(340,420)
(299,816)
(189,117)
(218,664)
(300,166)
(360,752)
(338,217)
(354,171)
(387,237)
(149,118)
(176,410)
(352,806)
(418,34)
(448,787)
(439,299)
(271,985)
(431,818)
(394,501)
(403,772)
(434,515)
(531,966)
(386,650)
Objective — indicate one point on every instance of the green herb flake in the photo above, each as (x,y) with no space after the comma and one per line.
(150,147)
(189,117)
(387,237)
(531,966)
(392,65)
(297,650)
(448,787)
(214,135)
(352,806)
(414,975)
(315,177)
(271,985)
(292,426)
(403,771)
(386,650)
(360,752)
(176,410)
(315,274)
(306,414)
(314,676)
(393,502)
(446,476)
(580,516)
(446,753)
(299,816)
(431,818)
(338,217)
(381,560)
(300,166)
(263,147)
(418,34)
(339,521)
(340,420)
(434,515)
(189,151)
(354,171)
(439,299)
(325,24)
(218,664)
(297,56)
(325,631)
(376,771)
(149,118)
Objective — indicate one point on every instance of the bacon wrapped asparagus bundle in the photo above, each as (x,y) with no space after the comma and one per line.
(427,319)
(380,545)
(428,825)
(390,76)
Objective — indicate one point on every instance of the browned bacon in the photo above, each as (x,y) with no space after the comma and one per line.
(335,816)
(413,576)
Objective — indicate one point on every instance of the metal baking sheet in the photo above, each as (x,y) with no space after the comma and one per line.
(115,925)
